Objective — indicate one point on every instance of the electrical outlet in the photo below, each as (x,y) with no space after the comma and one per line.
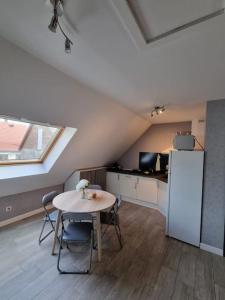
(8,208)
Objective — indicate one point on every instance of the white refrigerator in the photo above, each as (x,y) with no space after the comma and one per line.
(185,196)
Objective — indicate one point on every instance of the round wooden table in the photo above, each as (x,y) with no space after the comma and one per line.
(71,202)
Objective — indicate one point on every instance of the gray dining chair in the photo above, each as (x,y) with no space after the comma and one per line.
(86,216)
(111,218)
(94,187)
(50,217)
(76,233)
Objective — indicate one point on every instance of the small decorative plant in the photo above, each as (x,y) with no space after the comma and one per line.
(81,186)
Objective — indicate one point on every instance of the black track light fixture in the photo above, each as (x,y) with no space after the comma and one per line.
(68,42)
(67,46)
(54,24)
(157,110)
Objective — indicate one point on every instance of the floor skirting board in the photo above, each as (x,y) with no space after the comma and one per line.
(144,203)
(211,249)
(23,216)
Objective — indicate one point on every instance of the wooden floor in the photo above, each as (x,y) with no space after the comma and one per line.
(150,266)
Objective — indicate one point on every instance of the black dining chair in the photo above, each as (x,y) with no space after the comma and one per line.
(111,218)
(76,233)
(50,217)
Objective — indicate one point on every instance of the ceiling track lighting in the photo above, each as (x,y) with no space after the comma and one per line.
(157,110)
(54,24)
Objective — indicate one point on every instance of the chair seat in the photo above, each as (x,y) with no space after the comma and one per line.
(77,232)
(53,216)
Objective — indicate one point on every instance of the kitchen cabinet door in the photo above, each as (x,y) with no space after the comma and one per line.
(112,183)
(147,189)
(128,186)
(163,197)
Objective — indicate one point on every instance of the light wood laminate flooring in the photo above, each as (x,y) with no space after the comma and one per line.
(150,265)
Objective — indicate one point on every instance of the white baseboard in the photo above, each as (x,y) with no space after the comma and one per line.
(211,249)
(23,216)
(144,203)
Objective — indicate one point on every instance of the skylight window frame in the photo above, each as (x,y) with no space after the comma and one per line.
(45,153)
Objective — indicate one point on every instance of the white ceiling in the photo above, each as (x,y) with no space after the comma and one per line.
(185,69)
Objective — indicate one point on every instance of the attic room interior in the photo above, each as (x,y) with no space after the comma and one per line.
(112,161)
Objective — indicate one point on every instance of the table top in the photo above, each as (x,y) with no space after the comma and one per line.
(71,202)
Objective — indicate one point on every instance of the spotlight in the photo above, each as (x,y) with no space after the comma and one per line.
(67,46)
(54,22)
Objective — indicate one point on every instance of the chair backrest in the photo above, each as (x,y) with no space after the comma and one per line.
(48,198)
(76,216)
(67,216)
(94,187)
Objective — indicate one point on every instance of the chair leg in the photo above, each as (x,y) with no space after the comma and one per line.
(59,255)
(121,239)
(118,233)
(53,228)
(40,240)
(67,272)
(94,245)
(91,247)
(42,229)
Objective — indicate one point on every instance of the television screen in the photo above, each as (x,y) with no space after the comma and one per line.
(147,161)
(164,161)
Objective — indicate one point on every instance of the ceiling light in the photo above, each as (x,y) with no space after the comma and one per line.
(157,110)
(54,24)
(67,46)
(68,42)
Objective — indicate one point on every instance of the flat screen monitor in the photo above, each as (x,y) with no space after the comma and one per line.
(164,161)
(147,161)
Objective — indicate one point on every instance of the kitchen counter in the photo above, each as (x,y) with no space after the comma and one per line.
(157,175)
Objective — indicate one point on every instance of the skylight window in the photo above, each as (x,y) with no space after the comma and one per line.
(25,142)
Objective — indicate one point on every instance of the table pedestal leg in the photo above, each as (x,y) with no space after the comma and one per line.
(56,231)
(99,235)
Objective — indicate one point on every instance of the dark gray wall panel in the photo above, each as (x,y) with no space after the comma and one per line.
(214,176)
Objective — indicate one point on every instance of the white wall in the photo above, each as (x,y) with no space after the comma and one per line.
(33,90)
(158,138)
(198,130)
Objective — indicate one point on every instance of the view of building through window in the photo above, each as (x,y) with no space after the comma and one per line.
(25,141)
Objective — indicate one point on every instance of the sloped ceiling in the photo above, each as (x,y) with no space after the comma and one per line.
(183,69)
(33,90)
